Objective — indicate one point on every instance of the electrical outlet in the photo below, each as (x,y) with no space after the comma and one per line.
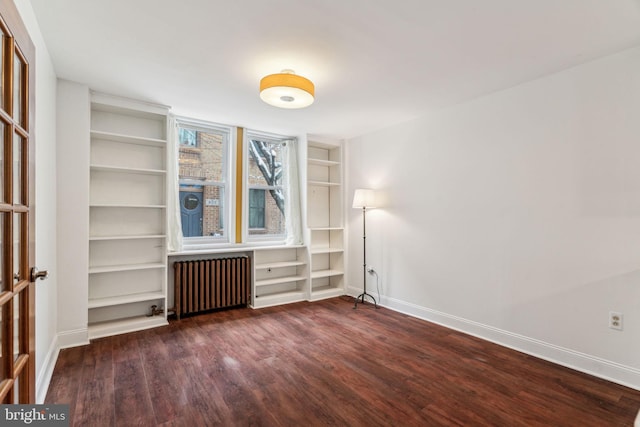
(615,320)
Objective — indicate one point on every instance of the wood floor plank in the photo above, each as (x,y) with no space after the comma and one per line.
(324,364)
(67,382)
(87,412)
(98,361)
(131,393)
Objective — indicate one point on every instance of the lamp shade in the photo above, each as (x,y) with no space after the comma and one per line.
(287,90)
(364,198)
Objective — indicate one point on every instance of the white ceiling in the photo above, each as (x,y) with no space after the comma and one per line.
(374,62)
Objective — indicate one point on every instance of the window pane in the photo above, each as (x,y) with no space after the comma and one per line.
(201,155)
(266,196)
(202,171)
(273,215)
(256,208)
(188,137)
(265,163)
(202,210)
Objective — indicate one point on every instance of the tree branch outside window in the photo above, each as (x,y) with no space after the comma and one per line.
(266,159)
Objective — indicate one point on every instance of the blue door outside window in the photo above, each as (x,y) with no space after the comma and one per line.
(191,213)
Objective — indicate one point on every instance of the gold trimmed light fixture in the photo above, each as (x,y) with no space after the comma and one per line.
(287,90)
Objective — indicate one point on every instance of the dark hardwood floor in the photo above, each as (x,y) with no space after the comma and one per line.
(324,364)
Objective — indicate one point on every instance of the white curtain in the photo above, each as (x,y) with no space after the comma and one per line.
(174,233)
(293,217)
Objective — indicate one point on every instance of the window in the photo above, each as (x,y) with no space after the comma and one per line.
(203,168)
(265,165)
(233,193)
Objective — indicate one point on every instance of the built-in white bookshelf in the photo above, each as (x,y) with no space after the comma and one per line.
(325,220)
(280,275)
(127,215)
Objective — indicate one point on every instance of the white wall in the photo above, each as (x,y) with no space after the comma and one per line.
(46,291)
(516,216)
(73,213)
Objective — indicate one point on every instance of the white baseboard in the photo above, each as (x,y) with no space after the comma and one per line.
(43,380)
(608,370)
(62,340)
(637,423)
(73,338)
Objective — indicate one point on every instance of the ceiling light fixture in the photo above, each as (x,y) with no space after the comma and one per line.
(287,90)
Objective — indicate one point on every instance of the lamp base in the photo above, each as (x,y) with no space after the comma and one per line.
(362,298)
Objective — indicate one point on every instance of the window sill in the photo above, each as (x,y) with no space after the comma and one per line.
(238,247)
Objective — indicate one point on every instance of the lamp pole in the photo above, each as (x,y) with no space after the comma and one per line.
(364,265)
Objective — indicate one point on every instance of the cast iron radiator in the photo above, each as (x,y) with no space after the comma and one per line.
(213,283)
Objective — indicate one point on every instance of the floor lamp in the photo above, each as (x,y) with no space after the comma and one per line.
(363,199)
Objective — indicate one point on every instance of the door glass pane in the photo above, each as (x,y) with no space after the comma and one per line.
(16,389)
(17,248)
(16,326)
(3,375)
(18,89)
(3,40)
(3,284)
(3,128)
(17,168)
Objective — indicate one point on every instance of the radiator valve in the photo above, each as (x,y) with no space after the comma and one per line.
(155,311)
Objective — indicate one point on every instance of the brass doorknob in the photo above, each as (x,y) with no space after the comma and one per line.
(37,274)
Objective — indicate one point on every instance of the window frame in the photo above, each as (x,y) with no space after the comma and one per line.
(227,185)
